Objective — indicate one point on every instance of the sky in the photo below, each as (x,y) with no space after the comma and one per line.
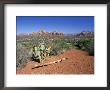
(65,24)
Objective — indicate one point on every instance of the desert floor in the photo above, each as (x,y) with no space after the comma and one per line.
(73,61)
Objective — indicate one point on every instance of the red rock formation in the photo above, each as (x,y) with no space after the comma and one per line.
(42,32)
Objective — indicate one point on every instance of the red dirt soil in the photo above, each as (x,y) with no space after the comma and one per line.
(74,62)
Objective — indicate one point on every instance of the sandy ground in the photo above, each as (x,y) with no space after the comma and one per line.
(73,62)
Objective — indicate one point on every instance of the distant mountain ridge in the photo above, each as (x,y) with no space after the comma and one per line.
(84,33)
(43,32)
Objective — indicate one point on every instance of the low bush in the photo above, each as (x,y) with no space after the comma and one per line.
(53,52)
(60,45)
(22,56)
(85,44)
(90,48)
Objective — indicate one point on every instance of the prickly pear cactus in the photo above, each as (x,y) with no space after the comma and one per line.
(47,51)
(35,53)
(42,47)
(40,52)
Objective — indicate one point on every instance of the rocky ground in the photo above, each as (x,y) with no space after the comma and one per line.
(73,62)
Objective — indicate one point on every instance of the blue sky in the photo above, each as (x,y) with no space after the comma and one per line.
(66,24)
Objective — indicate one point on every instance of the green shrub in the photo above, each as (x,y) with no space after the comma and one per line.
(53,52)
(60,45)
(85,44)
(90,48)
(22,56)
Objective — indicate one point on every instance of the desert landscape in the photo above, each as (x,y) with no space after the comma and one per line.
(69,53)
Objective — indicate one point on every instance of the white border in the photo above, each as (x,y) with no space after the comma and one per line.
(96,80)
